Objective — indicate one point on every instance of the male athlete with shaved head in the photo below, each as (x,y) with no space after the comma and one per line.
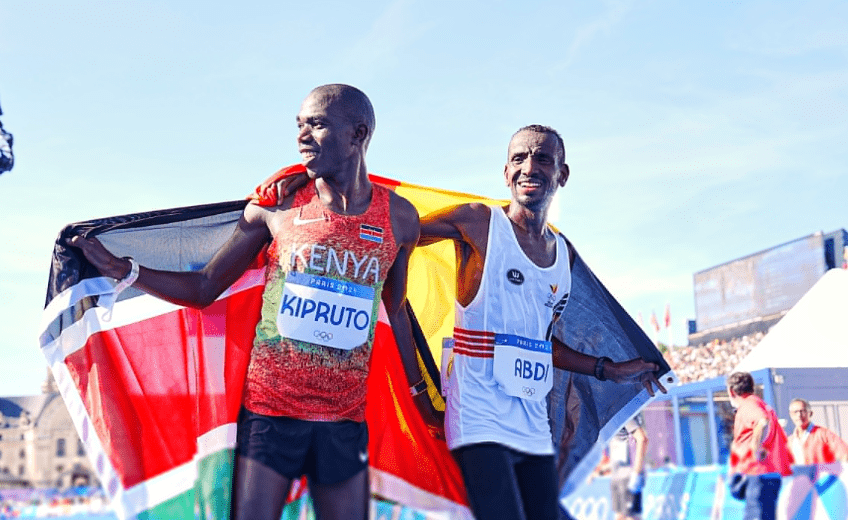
(335,248)
(513,283)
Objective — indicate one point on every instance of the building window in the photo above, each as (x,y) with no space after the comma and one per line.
(20,471)
(80,448)
(60,468)
(60,447)
(23,454)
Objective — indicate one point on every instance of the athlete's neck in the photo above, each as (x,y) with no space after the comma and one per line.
(535,239)
(532,223)
(345,194)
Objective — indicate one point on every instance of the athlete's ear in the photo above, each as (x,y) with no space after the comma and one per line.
(360,133)
(563,174)
(506,175)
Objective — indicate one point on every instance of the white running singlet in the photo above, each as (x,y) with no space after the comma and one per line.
(516,299)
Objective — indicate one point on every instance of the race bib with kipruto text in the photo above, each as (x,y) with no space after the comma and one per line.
(320,310)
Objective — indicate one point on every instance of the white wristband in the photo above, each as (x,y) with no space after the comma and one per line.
(108,300)
(130,278)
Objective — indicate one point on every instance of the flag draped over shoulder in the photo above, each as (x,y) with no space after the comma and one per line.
(154,389)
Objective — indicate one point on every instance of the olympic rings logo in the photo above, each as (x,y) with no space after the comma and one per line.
(528,391)
(589,508)
(325,336)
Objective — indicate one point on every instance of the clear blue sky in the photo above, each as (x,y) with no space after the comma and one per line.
(696,132)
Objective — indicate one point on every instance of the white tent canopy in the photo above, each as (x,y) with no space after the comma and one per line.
(813,334)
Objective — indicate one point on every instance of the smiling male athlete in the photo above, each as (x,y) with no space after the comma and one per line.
(513,283)
(336,247)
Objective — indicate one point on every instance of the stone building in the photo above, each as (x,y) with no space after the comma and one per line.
(39,446)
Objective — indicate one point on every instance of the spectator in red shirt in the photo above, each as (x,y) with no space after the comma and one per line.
(759,450)
(811,444)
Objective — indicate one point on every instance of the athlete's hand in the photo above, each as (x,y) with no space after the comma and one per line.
(282,188)
(104,261)
(636,369)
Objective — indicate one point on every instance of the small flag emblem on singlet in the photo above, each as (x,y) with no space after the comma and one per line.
(372,233)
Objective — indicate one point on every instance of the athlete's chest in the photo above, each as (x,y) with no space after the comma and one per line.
(507,263)
(314,240)
(539,252)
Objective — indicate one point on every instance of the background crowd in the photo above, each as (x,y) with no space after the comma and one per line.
(709,360)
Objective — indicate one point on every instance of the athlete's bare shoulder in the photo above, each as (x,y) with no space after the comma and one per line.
(405,222)
(267,216)
(402,207)
(472,213)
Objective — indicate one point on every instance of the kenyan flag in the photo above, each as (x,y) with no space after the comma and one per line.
(154,388)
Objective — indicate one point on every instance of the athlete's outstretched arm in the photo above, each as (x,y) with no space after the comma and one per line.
(455,223)
(193,289)
(566,358)
(467,226)
(440,225)
(405,225)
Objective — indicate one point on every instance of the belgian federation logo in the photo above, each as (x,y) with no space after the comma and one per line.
(551,302)
(515,276)
(371,233)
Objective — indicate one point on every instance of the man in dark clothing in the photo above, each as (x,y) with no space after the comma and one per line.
(7,159)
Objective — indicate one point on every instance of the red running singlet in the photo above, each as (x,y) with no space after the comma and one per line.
(320,305)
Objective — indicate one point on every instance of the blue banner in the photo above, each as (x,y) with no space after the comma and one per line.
(811,493)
